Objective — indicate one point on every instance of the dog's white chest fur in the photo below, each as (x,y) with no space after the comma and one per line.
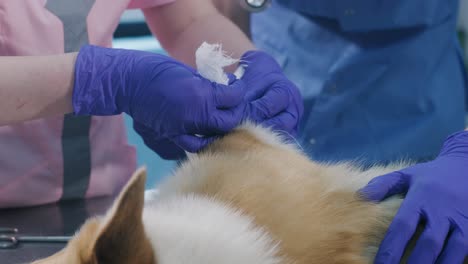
(194,229)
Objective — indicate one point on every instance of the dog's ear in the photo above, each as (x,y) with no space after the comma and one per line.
(122,238)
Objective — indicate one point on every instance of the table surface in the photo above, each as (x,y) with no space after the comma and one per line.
(61,219)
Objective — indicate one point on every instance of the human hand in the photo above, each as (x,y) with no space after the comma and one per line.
(162,94)
(436,196)
(272,99)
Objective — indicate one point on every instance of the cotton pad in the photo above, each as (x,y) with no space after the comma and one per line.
(211,60)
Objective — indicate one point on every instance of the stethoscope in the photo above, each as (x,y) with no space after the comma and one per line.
(255,5)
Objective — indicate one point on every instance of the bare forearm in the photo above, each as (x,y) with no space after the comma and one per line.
(235,13)
(182,26)
(212,29)
(35,86)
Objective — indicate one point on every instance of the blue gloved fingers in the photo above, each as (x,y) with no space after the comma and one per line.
(271,104)
(192,143)
(399,233)
(167,149)
(435,188)
(255,57)
(285,122)
(223,121)
(269,92)
(430,243)
(164,147)
(456,249)
(382,187)
(219,122)
(231,77)
(228,96)
(258,86)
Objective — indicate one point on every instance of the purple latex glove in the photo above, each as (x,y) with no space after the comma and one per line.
(437,196)
(158,92)
(164,147)
(273,99)
(172,148)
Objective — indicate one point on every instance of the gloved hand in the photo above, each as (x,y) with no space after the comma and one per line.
(164,147)
(158,92)
(437,196)
(273,100)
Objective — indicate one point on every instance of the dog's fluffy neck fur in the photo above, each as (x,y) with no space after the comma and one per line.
(176,222)
(195,229)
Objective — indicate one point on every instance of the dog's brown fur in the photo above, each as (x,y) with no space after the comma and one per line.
(289,196)
(312,210)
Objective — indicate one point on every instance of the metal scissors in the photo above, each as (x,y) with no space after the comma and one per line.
(10,239)
(255,5)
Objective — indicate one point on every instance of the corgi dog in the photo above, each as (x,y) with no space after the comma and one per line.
(247,198)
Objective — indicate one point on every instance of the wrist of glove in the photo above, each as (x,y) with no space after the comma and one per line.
(107,80)
(456,145)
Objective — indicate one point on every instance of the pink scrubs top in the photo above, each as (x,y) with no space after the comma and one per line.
(62,157)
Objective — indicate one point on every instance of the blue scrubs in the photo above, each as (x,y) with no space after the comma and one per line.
(382,80)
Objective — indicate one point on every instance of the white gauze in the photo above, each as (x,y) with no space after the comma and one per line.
(211,60)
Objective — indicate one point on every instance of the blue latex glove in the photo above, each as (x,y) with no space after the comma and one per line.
(172,148)
(164,95)
(166,148)
(273,100)
(437,196)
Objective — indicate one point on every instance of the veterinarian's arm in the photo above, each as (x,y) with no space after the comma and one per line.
(236,13)
(103,82)
(33,87)
(183,25)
